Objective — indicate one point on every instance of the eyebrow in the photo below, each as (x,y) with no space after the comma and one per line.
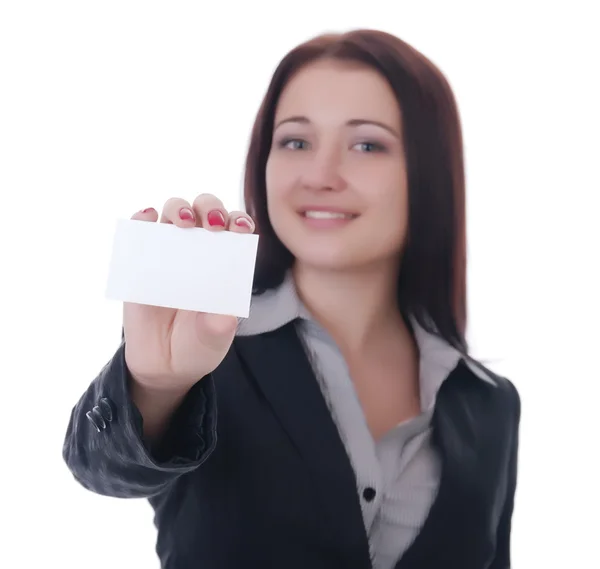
(352,122)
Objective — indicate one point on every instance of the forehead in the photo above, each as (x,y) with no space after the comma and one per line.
(332,90)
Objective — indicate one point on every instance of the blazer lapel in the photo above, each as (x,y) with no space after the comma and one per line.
(466,435)
(279,365)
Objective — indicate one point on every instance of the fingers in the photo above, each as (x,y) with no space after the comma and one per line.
(149,214)
(178,212)
(240,222)
(206,211)
(210,212)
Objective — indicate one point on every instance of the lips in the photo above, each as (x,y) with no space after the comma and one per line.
(322,212)
(319,214)
(323,218)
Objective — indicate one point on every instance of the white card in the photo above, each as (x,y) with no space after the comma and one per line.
(186,268)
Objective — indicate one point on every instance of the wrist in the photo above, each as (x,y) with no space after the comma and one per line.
(161,390)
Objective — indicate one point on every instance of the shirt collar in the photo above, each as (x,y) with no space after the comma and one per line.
(273,309)
(279,306)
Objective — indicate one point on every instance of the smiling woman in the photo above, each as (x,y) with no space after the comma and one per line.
(386,100)
(344,423)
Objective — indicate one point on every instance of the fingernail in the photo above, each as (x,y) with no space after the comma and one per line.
(243,222)
(147,210)
(186,213)
(215,217)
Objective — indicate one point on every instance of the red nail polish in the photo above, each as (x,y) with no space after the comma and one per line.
(186,214)
(216,218)
(243,222)
(147,209)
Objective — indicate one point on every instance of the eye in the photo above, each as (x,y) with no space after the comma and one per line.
(369,147)
(293,144)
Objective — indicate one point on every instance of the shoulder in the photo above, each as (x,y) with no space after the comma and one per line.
(504,390)
(511,398)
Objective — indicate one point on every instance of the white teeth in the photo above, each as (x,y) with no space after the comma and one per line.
(327,215)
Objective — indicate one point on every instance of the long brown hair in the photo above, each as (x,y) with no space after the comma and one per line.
(432,281)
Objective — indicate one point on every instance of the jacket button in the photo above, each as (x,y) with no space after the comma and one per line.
(95,418)
(106,409)
(369,494)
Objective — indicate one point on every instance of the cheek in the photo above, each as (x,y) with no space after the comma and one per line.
(279,187)
(392,207)
(389,217)
(275,177)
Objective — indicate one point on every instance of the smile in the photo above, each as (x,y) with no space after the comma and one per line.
(328,215)
(322,220)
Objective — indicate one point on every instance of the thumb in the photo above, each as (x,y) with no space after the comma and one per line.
(215,330)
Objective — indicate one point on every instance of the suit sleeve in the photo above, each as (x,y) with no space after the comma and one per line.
(104,447)
(502,559)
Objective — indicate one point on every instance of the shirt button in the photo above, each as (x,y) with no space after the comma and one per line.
(369,494)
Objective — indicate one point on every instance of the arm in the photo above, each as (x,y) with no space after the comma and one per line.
(502,559)
(106,450)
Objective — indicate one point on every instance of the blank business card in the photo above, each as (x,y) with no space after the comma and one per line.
(186,268)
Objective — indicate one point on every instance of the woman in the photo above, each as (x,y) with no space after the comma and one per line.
(343,424)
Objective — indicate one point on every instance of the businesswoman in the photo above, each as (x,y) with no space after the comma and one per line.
(343,424)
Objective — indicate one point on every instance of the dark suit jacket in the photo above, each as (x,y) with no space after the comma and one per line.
(269,483)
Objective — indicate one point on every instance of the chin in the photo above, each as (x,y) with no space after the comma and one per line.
(335,251)
(331,259)
(344,256)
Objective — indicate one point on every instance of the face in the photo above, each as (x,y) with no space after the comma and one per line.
(336,177)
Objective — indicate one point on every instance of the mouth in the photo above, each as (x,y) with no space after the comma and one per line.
(319,214)
(321,219)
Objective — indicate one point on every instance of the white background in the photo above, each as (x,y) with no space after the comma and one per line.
(110,107)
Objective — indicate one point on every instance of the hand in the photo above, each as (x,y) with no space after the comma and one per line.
(169,349)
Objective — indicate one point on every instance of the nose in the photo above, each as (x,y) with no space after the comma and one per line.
(322,171)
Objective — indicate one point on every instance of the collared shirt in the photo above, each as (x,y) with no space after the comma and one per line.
(397,476)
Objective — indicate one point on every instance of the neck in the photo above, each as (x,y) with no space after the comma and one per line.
(356,307)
